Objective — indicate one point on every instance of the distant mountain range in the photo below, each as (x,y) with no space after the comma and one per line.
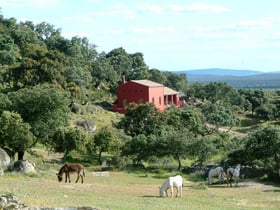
(236,78)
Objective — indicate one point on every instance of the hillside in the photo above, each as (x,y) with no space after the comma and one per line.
(219,72)
(236,78)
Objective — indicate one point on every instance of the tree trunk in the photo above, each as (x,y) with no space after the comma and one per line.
(179,162)
(20,155)
(99,157)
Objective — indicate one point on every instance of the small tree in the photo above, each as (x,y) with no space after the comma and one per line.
(175,144)
(264,144)
(15,134)
(67,139)
(102,142)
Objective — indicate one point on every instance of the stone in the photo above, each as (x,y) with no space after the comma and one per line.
(24,166)
(4,158)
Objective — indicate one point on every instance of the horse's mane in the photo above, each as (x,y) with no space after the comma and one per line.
(62,169)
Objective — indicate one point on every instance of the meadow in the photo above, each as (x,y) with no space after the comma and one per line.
(133,190)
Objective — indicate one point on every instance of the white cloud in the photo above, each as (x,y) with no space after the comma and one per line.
(177,9)
(80,18)
(154,30)
(197,8)
(221,35)
(243,25)
(69,35)
(265,22)
(154,9)
(31,3)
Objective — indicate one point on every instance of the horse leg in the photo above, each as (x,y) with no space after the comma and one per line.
(78,177)
(166,192)
(227,180)
(66,177)
(68,174)
(236,181)
(171,190)
(82,178)
(209,180)
(181,190)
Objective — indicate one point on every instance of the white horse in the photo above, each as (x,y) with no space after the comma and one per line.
(216,172)
(173,181)
(233,173)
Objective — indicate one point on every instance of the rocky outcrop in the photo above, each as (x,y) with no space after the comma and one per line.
(9,201)
(86,125)
(23,166)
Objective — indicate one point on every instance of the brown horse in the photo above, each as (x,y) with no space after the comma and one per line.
(70,168)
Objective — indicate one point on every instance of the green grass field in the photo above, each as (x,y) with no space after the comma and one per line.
(128,190)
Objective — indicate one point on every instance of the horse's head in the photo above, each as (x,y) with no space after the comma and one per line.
(59,177)
(161,192)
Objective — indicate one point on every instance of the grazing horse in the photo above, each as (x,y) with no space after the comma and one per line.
(216,172)
(173,181)
(70,168)
(233,173)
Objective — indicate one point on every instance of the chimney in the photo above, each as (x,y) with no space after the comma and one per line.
(123,79)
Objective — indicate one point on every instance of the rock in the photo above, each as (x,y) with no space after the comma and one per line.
(75,108)
(1,172)
(24,166)
(86,125)
(9,201)
(4,158)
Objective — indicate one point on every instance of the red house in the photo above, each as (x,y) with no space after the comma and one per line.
(145,91)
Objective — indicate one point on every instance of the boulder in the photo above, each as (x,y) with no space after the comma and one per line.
(4,158)
(8,201)
(1,171)
(75,108)
(24,166)
(86,125)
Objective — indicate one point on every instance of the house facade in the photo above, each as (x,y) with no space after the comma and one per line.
(145,91)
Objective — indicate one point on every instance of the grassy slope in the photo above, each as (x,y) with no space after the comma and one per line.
(123,190)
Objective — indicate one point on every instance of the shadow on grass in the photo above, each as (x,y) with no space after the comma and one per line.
(151,196)
(274,190)
(217,186)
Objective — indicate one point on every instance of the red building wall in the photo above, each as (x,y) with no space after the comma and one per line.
(156,97)
(144,91)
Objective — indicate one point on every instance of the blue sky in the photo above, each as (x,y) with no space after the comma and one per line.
(172,35)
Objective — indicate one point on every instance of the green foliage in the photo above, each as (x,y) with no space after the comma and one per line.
(141,147)
(219,115)
(44,108)
(103,142)
(140,119)
(255,97)
(42,71)
(14,133)
(264,144)
(66,139)
(5,103)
